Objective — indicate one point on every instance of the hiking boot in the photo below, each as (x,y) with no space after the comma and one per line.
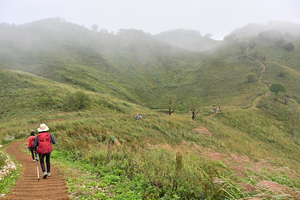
(33,160)
(37,159)
(48,174)
(45,175)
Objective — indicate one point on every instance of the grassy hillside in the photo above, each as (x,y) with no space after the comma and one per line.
(122,66)
(289,30)
(136,69)
(24,95)
(282,66)
(162,156)
(240,152)
(188,39)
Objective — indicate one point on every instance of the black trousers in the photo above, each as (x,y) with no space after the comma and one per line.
(32,149)
(42,156)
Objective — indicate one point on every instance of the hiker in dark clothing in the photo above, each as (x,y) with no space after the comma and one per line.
(31,146)
(44,142)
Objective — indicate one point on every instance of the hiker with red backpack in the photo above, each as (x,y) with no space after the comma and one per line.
(31,146)
(44,142)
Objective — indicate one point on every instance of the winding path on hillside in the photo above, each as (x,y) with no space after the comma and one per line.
(295,102)
(28,186)
(260,77)
(262,73)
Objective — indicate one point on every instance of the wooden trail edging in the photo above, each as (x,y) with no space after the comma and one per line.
(28,186)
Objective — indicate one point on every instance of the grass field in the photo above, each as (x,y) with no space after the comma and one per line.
(89,97)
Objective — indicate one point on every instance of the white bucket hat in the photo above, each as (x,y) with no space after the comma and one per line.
(43,127)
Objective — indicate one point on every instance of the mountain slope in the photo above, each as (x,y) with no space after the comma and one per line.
(160,156)
(95,61)
(188,39)
(289,30)
(27,95)
(141,69)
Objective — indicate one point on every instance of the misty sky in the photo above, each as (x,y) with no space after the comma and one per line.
(218,17)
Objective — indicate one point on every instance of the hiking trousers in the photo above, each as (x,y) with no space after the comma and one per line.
(33,150)
(47,155)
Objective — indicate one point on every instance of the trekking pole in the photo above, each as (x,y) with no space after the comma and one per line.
(37,167)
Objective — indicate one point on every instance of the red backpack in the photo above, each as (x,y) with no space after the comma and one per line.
(45,141)
(31,141)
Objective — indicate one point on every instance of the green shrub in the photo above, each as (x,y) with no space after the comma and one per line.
(272,36)
(78,101)
(250,77)
(289,46)
(277,87)
(21,134)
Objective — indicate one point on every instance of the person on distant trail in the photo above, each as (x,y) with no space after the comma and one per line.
(31,146)
(141,117)
(137,117)
(44,142)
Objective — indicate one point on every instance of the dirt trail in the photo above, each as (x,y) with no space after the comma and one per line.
(261,75)
(257,101)
(28,186)
(294,101)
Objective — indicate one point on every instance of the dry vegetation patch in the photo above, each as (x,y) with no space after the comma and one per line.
(273,188)
(202,130)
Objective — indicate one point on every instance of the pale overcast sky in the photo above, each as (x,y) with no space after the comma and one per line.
(218,17)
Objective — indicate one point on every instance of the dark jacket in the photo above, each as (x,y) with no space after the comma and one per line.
(36,143)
